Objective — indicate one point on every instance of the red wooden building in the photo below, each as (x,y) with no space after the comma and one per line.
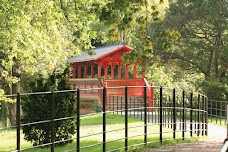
(106,65)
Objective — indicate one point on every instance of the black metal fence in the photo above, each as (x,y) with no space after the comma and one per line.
(181,111)
(217,112)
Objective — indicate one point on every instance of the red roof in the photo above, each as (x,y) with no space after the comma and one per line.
(110,54)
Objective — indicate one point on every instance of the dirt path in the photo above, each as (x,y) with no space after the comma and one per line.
(203,146)
(216,136)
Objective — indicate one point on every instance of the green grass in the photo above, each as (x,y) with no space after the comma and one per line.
(93,125)
(110,119)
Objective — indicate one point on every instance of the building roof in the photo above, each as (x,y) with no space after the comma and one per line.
(99,53)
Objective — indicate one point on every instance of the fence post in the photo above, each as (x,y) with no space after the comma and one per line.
(206,118)
(211,111)
(130,107)
(220,113)
(174,113)
(216,109)
(78,121)
(203,110)
(52,123)
(198,117)
(117,104)
(121,102)
(18,117)
(126,118)
(145,116)
(168,105)
(104,119)
(113,108)
(161,114)
(183,115)
(191,106)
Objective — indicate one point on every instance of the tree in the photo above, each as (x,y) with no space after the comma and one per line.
(202,45)
(132,17)
(38,107)
(34,34)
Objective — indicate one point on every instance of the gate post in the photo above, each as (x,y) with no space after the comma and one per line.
(161,111)
(126,118)
(174,113)
(104,118)
(18,117)
(145,116)
(52,122)
(78,121)
(198,116)
(191,110)
(183,114)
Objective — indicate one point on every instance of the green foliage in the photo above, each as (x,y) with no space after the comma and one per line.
(190,37)
(203,31)
(38,107)
(193,35)
(160,76)
(214,89)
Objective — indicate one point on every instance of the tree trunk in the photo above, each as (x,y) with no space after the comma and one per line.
(217,44)
(4,112)
(209,65)
(15,89)
(12,113)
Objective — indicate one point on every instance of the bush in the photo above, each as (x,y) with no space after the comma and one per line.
(38,108)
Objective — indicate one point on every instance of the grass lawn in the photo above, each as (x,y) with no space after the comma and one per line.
(92,125)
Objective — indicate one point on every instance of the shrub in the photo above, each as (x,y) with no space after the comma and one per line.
(38,107)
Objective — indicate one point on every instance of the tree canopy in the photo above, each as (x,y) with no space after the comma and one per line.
(202,45)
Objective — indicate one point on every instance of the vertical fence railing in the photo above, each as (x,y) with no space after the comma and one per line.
(206,120)
(145,116)
(78,121)
(104,119)
(126,118)
(203,114)
(191,110)
(174,113)
(52,122)
(161,111)
(18,117)
(198,116)
(183,114)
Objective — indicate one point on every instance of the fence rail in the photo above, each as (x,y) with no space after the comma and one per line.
(181,111)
